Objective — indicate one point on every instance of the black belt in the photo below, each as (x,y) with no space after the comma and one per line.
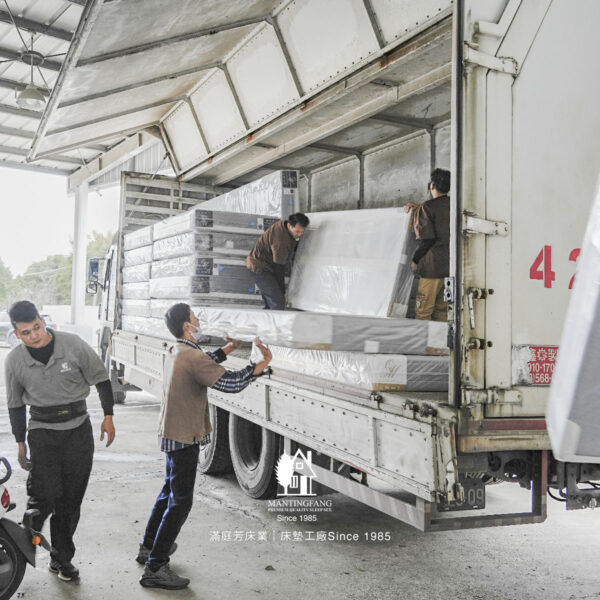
(58,414)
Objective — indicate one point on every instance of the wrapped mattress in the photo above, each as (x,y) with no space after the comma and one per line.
(199,265)
(131,258)
(136,274)
(573,414)
(198,242)
(374,372)
(138,238)
(184,287)
(371,276)
(200,218)
(294,329)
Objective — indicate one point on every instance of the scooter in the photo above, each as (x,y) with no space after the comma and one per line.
(18,541)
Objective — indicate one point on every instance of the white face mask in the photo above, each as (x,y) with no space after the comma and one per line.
(196,334)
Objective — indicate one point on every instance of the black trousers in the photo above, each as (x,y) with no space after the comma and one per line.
(172,505)
(61,462)
(272,287)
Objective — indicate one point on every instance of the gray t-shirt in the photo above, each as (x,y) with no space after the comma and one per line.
(71,370)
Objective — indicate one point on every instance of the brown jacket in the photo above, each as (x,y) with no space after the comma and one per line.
(433,229)
(274,247)
(184,412)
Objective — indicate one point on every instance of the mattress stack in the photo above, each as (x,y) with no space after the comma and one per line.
(137,263)
(197,257)
(374,353)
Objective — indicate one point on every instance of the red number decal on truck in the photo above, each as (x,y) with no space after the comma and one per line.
(547,274)
(573,257)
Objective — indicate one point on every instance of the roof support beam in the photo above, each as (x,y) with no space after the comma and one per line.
(36,27)
(12,55)
(374,23)
(28,135)
(116,115)
(78,2)
(20,112)
(35,168)
(115,156)
(288,59)
(24,151)
(140,84)
(240,108)
(402,122)
(168,41)
(9,84)
(335,149)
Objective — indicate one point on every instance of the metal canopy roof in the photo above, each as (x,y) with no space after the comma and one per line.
(49,24)
(239,86)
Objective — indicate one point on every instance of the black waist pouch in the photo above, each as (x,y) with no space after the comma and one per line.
(58,414)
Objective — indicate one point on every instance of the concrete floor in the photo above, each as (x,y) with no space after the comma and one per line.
(554,560)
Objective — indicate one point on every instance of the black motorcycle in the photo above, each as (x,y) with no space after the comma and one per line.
(18,541)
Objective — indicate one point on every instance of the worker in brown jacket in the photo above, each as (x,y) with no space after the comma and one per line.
(271,253)
(183,427)
(431,259)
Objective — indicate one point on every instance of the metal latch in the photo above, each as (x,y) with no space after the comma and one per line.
(491,396)
(476,294)
(503,64)
(473,224)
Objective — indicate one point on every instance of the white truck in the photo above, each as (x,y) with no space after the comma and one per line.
(503,93)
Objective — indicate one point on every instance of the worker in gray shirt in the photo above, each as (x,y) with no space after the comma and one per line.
(51,372)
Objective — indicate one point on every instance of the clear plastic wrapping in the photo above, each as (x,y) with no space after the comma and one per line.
(573,414)
(131,258)
(354,262)
(183,286)
(136,308)
(199,265)
(138,238)
(198,242)
(146,326)
(274,195)
(200,218)
(160,306)
(376,372)
(136,274)
(136,291)
(295,329)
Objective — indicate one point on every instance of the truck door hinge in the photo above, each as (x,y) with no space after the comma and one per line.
(472,295)
(503,64)
(491,396)
(473,224)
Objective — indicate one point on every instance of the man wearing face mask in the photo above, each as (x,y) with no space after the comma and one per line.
(184,425)
(270,255)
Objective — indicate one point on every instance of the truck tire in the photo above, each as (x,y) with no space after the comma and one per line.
(254,454)
(215,458)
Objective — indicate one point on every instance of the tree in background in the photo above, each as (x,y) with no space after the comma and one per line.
(48,281)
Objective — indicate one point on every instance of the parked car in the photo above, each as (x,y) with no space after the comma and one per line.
(5,327)
(12,340)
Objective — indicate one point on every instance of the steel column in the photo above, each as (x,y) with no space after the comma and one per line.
(79,273)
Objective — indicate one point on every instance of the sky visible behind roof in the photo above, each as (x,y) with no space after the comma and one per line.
(36,216)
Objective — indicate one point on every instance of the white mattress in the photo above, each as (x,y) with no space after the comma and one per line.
(375,372)
(354,262)
(573,414)
(294,329)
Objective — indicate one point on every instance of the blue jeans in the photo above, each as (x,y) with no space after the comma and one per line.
(172,505)
(272,287)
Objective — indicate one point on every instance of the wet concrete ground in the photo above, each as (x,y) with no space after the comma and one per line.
(221,552)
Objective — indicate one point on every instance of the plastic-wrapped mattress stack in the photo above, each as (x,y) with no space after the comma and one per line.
(373,353)
(137,263)
(199,258)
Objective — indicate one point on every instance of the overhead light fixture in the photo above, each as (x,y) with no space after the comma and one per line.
(31,98)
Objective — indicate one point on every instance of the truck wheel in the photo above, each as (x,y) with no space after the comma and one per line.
(254,454)
(215,458)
